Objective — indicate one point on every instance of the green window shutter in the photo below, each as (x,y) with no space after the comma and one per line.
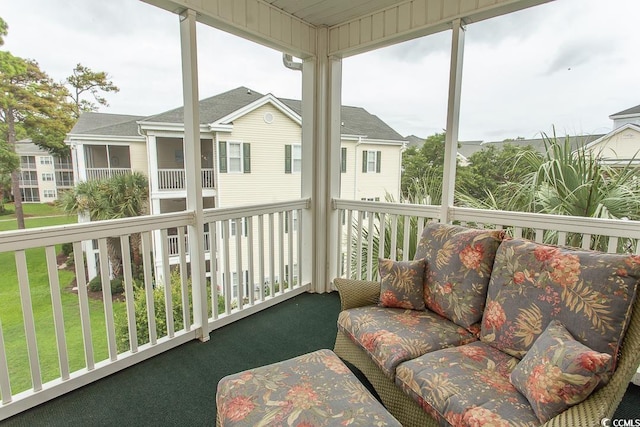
(364,162)
(287,158)
(378,159)
(246,157)
(222,154)
(343,160)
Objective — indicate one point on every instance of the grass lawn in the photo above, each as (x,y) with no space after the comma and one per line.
(12,321)
(31,209)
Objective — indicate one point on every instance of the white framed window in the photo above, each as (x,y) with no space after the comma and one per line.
(46,160)
(49,194)
(292,158)
(371,161)
(47,176)
(296,158)
(234,156)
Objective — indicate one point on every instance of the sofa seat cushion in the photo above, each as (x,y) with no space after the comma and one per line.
(467,386)
(393,335)
(459,262)
(590,293)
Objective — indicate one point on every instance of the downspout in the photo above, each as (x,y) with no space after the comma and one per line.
(288,62)
(355,169)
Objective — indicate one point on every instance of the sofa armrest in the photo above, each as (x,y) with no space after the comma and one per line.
(357,293)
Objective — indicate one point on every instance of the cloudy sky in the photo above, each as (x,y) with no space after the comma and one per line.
(568,64)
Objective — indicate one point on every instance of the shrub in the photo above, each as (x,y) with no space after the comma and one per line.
(95,284)
(140,308)
(117,285)
(67,248)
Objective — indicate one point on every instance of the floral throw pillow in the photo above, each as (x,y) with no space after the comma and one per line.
(590,293)
(460,261)
(559,372)
(401,283)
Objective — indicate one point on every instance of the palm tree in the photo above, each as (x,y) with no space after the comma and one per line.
(577,183)
(566,181)
(120,196)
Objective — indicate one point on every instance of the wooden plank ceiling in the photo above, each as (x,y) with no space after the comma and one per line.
(330,12)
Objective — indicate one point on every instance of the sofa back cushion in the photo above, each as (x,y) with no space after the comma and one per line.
(590,293)
(459,262)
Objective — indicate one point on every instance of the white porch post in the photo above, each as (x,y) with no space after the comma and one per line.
(192,165)
(152,153)
(453,116)
(321,98)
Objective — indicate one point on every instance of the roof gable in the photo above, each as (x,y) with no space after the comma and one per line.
(628,126)
(267,99)
(633,111)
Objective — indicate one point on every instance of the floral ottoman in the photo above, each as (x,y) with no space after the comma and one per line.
(314,389)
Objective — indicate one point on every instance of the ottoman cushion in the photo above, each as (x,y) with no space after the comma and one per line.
(313,389)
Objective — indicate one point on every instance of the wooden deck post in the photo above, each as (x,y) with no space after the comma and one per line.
(192,166)
(453,116)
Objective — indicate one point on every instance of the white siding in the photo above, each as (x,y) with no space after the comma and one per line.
(267,181)
(138,156)
(624,145)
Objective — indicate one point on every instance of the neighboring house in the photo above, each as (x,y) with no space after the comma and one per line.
(42,174)
(622,144)
(250,153)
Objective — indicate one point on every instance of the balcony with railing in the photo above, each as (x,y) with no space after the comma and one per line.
(174,179)
(105,173)
(68,338)
(61,338)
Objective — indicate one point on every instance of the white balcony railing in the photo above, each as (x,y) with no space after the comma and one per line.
(397,228)
(69,339)
(174,179)
(256,253)
(104,173)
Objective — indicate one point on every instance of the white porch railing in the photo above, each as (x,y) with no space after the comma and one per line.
(258,266)
(174,179)
(397,228)
(104,173)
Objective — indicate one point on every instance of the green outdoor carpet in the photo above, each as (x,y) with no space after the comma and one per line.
(177,388)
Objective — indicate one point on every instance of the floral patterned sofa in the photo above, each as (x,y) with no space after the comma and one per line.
(482,329)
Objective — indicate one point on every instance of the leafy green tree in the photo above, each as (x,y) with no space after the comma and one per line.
(424,162)
(31,101)
(84,82)
(4,30)
(490,168)
(120,196)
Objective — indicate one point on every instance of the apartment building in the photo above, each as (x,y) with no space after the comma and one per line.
(250,154)
(42,175)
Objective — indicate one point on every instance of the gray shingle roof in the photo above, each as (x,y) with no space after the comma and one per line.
(357,121)
(632,110)
(106,124)
(213,108)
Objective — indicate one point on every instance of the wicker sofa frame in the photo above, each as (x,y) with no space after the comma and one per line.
(601,404)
